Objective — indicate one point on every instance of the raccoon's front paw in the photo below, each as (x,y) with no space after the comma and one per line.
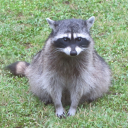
(60,113)
(71,112)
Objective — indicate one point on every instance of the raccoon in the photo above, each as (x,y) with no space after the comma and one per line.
(67,70)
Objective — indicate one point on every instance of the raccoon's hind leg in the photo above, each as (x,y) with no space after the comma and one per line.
(45,98)
(42,94)
(49,97)
(18,68)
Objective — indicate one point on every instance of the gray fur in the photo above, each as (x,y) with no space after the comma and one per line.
(59,78)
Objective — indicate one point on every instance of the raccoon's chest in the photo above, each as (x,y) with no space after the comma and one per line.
(67,70)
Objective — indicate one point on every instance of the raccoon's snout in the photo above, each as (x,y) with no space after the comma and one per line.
(73,53)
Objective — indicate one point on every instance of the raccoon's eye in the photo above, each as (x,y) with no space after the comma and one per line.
(78,39)
(66,39)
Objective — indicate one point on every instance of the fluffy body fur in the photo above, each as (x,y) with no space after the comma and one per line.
(61,75)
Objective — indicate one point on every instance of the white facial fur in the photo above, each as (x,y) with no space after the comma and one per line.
(83,35)
(67,50)
(75,35)
(68,35)
(78,50)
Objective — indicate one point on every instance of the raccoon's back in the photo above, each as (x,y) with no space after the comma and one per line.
(102,69)
(99,62)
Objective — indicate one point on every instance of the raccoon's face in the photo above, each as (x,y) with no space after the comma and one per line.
(71,36)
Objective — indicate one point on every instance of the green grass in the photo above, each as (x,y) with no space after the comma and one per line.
(23,30)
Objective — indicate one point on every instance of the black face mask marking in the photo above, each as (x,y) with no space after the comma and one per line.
(65,42)
(78,39)
(82,42)
(62,42)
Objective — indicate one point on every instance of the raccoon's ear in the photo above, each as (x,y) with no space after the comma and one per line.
(51,23)
(90,22)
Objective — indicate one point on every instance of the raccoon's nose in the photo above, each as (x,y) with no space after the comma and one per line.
(73,53)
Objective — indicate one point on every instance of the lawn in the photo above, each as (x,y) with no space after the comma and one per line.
(23,31)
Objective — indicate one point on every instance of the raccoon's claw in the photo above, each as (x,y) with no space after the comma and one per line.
(61,116)
(68,114)
(60,112)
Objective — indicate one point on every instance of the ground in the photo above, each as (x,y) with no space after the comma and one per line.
(23,31)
